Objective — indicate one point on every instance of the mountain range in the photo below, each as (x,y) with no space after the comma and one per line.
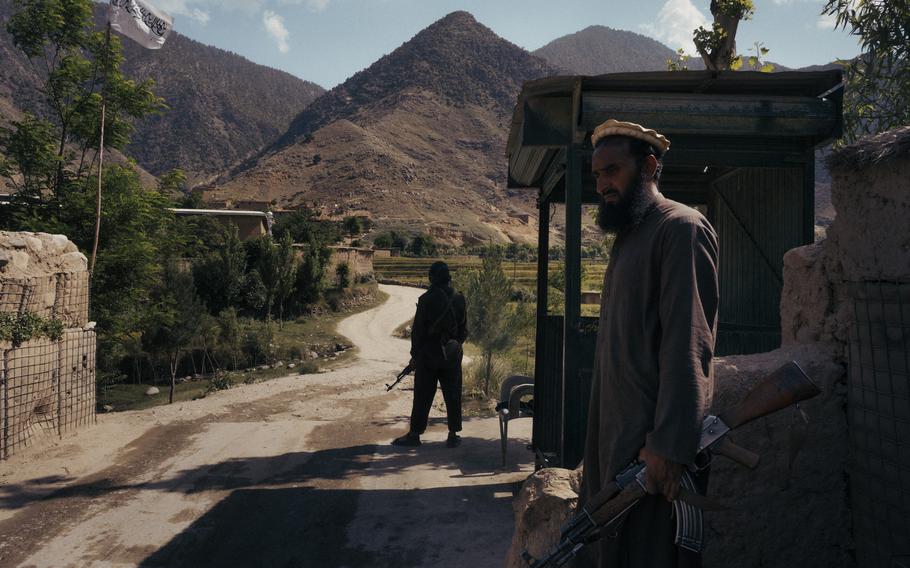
(597,50)
(416,140)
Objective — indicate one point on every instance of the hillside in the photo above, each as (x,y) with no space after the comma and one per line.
(416,139)
(596,50)
(223,107)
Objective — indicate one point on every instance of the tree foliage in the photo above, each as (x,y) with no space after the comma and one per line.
(303,226)
(495,323)
(219,274)
(717,46)
(343,274)
(175,321)
(76,63)
(878,81)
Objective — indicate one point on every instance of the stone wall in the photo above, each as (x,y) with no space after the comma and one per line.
(359,259)
(48,386)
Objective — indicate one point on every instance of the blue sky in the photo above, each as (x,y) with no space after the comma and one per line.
(327,41)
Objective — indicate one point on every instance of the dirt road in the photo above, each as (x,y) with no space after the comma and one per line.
(292,472)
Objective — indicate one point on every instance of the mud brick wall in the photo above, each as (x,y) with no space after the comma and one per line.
(47,387)
(852,293)
(360,260)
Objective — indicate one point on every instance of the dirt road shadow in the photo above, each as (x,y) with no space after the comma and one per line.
(306,526)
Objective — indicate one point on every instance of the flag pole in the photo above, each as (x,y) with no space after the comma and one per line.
(107,45)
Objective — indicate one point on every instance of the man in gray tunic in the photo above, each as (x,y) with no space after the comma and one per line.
(653,376)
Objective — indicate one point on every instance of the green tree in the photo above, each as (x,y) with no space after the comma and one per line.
(75,64)
(287,273)
(253,295)
(717,46)
(219,275)
(383,241)
(495,323)
(423,245)
(399,240)
(50,159)
(878,81)
(353,225)
(174,323)
(277,266)
(310,277)
(230,334)
(303,226)
(137,231)
(343,274)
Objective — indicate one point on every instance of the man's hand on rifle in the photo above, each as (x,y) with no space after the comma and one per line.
(662,475)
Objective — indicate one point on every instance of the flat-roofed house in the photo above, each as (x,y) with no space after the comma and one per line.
(250,224)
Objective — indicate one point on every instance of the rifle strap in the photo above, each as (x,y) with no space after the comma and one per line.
(445,311)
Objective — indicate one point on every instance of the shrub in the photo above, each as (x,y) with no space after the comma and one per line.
(343,273)
(481,381)
(219,382)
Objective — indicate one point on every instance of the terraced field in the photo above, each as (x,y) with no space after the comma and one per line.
(523,274)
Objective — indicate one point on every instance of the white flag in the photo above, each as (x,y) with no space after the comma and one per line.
(141,22)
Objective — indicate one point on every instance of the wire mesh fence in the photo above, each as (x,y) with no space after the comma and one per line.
(77,379)
(879,419)
(47,386)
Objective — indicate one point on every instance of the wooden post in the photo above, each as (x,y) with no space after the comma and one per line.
(107,45)
(571,343)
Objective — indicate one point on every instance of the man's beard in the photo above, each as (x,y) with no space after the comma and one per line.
(628,211)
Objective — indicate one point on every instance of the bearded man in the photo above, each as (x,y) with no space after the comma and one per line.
(653,376)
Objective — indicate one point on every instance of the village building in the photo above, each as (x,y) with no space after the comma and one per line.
(250,224)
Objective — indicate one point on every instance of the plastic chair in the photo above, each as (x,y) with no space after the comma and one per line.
(510,405)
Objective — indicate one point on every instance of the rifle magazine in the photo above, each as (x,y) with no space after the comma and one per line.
(690,521)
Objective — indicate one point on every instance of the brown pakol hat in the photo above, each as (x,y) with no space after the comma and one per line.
(614,127)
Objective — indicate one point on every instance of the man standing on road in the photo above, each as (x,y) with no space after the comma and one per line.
(440,328)
(653,376)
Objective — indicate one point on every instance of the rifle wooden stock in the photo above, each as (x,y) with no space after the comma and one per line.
(614,508)
(739,454)
(608,492)
(782,388)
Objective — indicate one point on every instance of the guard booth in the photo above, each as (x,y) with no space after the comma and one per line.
(742,149)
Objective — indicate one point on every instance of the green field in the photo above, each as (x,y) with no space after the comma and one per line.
(523,274)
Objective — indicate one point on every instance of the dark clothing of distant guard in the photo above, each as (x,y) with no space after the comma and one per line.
(653,376)
(441,315)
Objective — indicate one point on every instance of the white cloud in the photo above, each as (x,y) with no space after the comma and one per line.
(675,22)
(274,25)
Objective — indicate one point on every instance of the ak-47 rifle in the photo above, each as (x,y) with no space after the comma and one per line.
(786,386)
(404,373)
